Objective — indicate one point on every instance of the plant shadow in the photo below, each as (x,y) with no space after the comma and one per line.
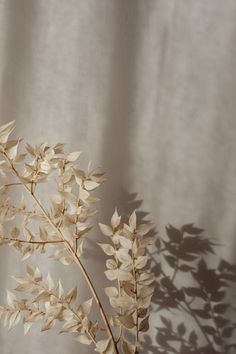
(193,307)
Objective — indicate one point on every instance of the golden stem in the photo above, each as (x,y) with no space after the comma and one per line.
(13,184)
(135,297)
(9,239)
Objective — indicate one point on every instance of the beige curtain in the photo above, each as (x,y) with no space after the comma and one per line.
(147,89)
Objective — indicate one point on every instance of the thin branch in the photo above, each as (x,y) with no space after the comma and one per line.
(10,239)
(135,297)
(13,184)
(120,309)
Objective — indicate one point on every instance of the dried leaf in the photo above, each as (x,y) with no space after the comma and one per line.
(73,156)
(107,248)
(84,339)
(106,230)
(115,220)
(5,131)
(71,296)
(127,321)
(85,308)
(141,262)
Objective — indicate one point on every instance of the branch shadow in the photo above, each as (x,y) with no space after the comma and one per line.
(193,306)
(194,302)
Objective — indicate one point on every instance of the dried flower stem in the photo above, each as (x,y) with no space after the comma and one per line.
(119,292)
(10,239)
(72,252)
(13,184)
(135,297)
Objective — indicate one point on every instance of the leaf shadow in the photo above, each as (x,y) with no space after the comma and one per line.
(194,301)
(193,305)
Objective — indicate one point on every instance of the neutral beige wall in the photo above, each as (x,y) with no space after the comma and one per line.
(148,90)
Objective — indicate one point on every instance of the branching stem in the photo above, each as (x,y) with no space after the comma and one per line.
(73,254)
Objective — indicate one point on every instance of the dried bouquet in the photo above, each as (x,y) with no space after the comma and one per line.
(189,290)
(58,227)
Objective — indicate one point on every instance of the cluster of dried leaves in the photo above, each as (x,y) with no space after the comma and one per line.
(135,286)
(59,230)
(193,300)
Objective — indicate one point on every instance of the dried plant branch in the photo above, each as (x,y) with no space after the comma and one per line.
(64,225)
(71,252)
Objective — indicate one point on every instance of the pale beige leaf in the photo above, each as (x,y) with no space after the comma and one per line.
(60,290)
(27,326)
(43,233)
(85,307)
(48,324)
(111,264)
(67,315)
(43,295)
(73,156)
(5,131)
(124,302)
(37,275)
(125,242)
(106,230)
(70,327)
(49,282)
(14,319)
(115,219)
(103,346)
(27,253)
(24,287)
(133,221)
(111,291)
(84,339)
(111,274)
(11,149)
(90,185)
(107,248)
(141,262)
(11,299)
(71,295)
(124,275)
(123,255)
(29,271)
(20,280)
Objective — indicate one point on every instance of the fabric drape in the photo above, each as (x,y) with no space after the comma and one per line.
(147,89)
